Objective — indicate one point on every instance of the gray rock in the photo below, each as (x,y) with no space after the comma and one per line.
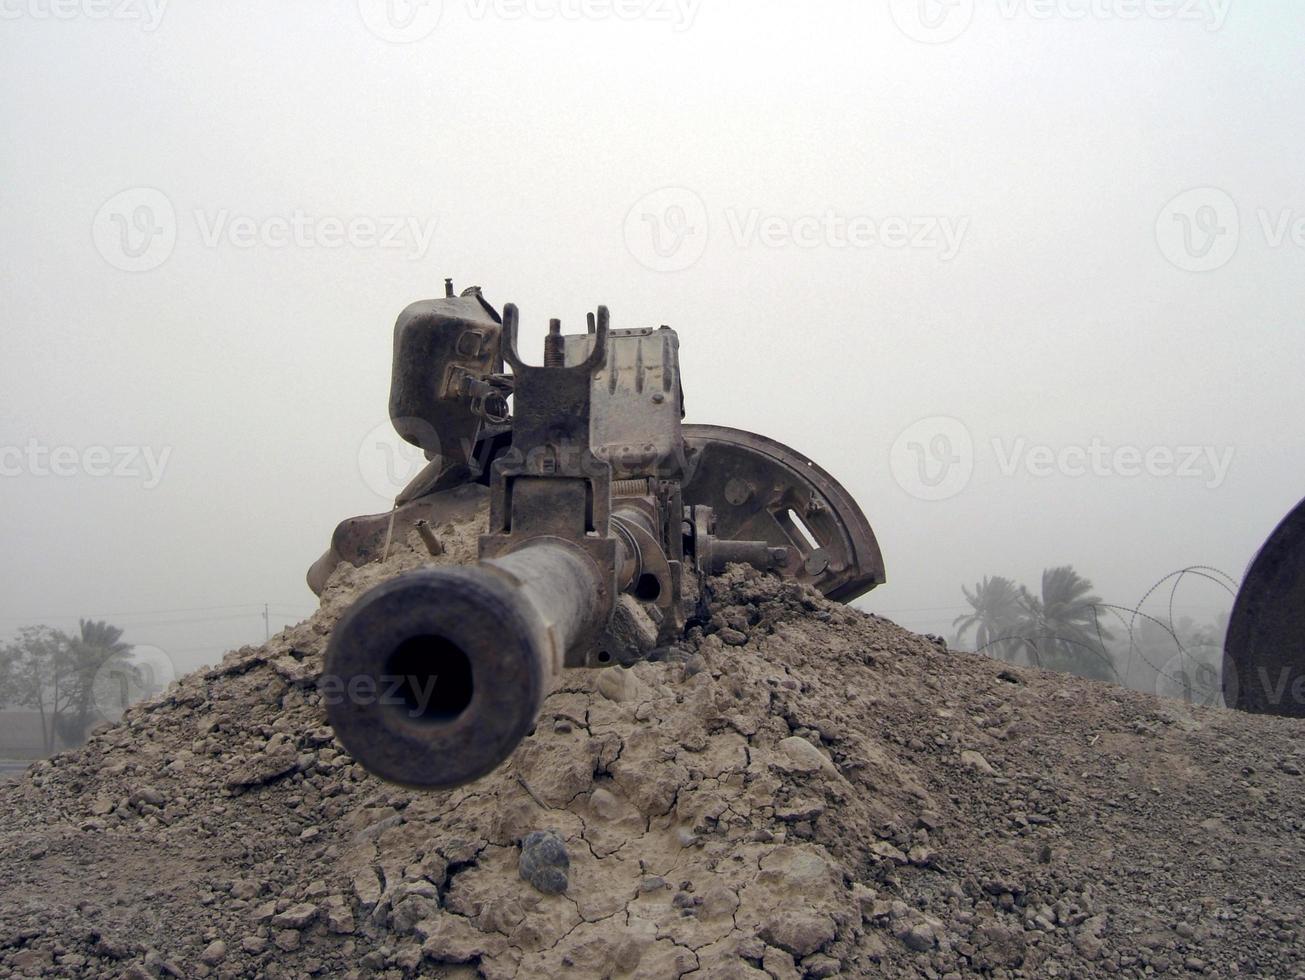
(820,966)
(296,917)
(544,861)
(798,932)
(253,945)
(147,794)
(410,911)
(288,940)
(604,804)
(799,755)
(340,921)
(264,768)
(214,953)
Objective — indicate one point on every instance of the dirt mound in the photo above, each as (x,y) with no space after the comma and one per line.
(802,791)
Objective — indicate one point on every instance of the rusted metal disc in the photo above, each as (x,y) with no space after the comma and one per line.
(761,490)
(1264,653)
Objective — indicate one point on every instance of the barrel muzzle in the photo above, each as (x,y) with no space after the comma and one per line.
(433,678)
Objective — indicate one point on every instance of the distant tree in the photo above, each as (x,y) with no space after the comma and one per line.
(38,668)
(995,616)
(8,685)
(98,654)
(1060,629)
(53,674)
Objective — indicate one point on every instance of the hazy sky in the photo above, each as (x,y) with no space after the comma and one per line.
(1026,276)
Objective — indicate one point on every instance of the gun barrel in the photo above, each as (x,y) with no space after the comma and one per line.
(433,678)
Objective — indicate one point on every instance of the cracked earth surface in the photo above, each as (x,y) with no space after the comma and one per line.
(803,791)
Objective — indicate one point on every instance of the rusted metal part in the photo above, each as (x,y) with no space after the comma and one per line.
(361,540)
(605,516)
(447,353)
(429,539)
(1264,651)
(759,489)
(434,677)
(550,486)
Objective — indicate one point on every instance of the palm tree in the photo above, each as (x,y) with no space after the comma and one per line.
(97,651)
(1060,627)
(995,617)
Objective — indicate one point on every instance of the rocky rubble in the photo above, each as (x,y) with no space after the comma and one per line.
(801,791)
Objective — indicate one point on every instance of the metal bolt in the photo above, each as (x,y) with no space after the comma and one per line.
(738,491)
(817,562)
(554,354)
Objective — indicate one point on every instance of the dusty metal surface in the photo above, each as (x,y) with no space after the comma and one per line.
(1264,652)
(759,488)
(606,515)
(361,540)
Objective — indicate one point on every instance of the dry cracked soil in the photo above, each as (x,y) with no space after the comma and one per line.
(802,791)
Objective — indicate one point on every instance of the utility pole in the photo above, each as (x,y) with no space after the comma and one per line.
(267,624)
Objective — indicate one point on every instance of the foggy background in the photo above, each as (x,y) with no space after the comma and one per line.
(929,245)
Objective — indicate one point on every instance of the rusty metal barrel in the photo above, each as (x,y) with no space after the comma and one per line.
(433,678)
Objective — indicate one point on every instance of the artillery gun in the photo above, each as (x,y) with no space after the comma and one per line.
(607,515)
